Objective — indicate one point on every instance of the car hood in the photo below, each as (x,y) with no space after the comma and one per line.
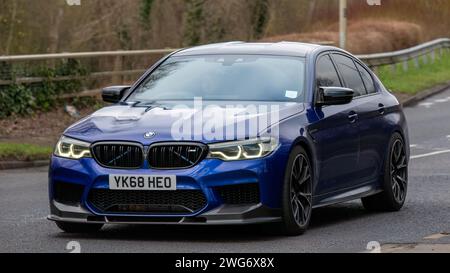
(126,122)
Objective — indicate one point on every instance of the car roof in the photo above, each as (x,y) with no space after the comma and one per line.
(281,48)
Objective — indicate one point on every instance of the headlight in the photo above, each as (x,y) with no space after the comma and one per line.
(72,148)
(243,150)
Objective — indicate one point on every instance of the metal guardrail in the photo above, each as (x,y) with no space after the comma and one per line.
(82,55)
(116,72)
(404,56)
(427,51)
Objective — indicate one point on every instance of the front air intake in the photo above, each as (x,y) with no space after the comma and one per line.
(67,193)
(239,194)
(147,202)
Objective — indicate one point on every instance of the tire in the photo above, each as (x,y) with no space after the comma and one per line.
(394,181)
(79,228)
(297,193)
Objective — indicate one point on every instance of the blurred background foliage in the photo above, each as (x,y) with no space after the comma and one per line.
(53,26)
(24,98)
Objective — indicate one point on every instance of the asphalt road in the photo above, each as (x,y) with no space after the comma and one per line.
(421,225)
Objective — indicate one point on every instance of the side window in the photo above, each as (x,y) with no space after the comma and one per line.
(326,74)
(350,74)
(367,78)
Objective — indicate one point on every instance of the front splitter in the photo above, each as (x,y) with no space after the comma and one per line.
(223,215)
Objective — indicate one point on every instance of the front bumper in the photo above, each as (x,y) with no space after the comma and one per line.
(209,174)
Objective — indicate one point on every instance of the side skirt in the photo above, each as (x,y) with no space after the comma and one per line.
(346,195)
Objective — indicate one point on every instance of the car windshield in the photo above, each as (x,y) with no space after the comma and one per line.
(225,77)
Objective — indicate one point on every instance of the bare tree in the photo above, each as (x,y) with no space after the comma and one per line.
(11,27)
(55,30)
(311,9)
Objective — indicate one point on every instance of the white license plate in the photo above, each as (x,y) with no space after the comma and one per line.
(143,182)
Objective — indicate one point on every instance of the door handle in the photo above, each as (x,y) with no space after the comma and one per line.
(381,109)
(353,116)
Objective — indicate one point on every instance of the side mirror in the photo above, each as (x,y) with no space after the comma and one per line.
(114,94)
(334,96)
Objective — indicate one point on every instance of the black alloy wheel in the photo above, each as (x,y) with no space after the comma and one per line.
(297,193)
(394,182)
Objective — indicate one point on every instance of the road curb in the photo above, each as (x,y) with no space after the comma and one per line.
(426,94)
(8,165)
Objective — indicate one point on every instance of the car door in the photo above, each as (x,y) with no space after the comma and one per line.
(371,110)
(367,109)
(336,135)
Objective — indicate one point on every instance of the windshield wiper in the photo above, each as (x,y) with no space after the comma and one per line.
(150,105)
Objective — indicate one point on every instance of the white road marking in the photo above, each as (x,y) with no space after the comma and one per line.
(441,100)
(426,104)
(413,145)
(430,154)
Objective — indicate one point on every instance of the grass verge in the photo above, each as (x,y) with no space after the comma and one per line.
(24,152)
(415,79)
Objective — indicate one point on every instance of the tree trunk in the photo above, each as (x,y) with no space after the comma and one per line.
(54,31)
(11,27)
(310,16)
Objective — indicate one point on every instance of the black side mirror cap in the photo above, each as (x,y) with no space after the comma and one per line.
(334,96)
(114,94)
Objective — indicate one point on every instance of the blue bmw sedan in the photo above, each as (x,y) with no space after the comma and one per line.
(234,133)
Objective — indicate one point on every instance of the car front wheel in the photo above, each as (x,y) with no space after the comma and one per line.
(297,193)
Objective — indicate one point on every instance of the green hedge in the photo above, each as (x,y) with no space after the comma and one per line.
(22,99)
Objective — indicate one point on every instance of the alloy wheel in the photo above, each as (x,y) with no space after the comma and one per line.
(301,190)
(399,171)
